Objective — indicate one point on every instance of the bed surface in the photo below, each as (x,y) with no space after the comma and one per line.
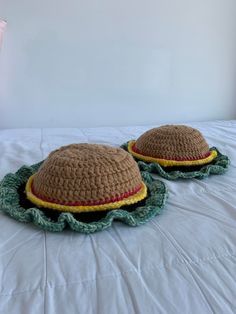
(183,261)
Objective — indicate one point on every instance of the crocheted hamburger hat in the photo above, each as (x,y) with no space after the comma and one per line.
(86,177)
(76,184)
(177,151)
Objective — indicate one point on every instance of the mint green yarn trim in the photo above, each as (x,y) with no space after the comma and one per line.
(218,166)
(10,204)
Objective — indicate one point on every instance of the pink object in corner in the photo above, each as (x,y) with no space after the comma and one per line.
(2,27)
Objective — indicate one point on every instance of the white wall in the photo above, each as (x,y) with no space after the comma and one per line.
(117,62)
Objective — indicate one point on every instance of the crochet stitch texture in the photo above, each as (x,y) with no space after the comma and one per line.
(173,142)
(218,166)
(170,162)
(86,177)
(137,214)
(172,145)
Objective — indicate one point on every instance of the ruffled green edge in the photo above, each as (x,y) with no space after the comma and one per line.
(218,166)
(10,204)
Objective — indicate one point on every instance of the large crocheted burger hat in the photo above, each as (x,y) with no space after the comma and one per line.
(177,151)
(83,186)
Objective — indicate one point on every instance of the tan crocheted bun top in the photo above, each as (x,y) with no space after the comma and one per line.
(87,174)
(173,142)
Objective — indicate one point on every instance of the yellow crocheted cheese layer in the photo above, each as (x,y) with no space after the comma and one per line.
(170,163)
(140,195)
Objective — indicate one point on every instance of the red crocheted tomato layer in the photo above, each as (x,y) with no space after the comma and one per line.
(136,150)
(90,203)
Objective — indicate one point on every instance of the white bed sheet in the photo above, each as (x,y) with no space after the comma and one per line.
(183,261)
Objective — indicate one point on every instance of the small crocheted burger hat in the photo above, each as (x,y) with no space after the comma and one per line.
(177,151)
(83,186)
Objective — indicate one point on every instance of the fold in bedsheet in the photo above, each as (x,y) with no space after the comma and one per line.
(183,261)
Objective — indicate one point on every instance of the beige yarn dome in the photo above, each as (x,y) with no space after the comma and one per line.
(175,142)
(180,144)
(86,177)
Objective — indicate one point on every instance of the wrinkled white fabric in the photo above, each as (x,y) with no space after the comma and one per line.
(183,261)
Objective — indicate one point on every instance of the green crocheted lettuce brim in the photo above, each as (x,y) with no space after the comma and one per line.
(218,166)
(14,203)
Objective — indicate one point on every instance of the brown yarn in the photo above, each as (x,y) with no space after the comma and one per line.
(175,142)
(86,173)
